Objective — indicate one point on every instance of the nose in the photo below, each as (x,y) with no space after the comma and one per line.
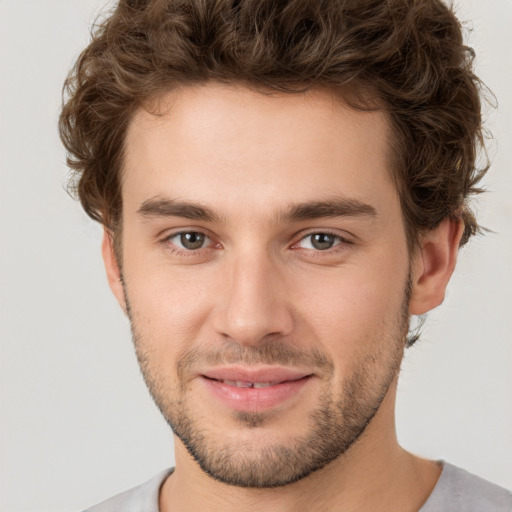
(252,305)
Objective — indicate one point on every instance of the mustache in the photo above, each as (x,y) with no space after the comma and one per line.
(266,353)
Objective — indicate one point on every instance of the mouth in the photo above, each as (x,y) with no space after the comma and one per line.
(240,376)
(244,384)
(253,384)
(255,390)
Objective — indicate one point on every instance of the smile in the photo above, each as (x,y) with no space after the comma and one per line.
(255,390)
(242,384)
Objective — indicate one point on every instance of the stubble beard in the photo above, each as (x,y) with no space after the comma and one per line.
(333,426)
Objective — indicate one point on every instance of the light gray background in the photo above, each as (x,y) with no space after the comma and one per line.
(77,424)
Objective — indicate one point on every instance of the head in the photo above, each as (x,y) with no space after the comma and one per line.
(282,185)
(404,58)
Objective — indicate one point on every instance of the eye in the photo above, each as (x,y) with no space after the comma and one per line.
(319,241)
(189,240)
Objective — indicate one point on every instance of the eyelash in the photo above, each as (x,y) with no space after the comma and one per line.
(186,252)
(341,245)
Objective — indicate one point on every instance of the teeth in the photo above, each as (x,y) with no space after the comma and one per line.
(238,383)
(261,384)
(242,384)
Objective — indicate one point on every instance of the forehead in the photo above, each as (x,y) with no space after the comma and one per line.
(228,145)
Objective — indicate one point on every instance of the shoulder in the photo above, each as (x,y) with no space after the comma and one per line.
(460,491)
(143,498)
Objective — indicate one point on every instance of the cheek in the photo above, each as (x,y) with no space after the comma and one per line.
(167,316)
(168,308)
(172,302)
(355,308)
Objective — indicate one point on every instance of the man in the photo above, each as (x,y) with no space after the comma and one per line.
(282,185)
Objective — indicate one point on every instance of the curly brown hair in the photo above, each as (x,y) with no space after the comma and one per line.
(408,55)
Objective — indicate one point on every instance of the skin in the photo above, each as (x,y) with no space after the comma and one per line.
(258,282)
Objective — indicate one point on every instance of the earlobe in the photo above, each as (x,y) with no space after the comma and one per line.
(112,268)
(434,264)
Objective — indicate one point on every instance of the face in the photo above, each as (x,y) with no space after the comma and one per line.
(265,272)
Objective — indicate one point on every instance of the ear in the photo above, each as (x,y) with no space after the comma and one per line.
(112,267)
(434,264)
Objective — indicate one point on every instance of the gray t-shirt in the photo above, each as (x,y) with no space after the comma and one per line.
(456,491)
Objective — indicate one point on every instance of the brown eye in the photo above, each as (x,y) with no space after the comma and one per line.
(191,241)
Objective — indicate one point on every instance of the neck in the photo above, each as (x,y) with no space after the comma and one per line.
(374,474)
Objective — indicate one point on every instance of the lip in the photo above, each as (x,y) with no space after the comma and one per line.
(275,374)
(285,385)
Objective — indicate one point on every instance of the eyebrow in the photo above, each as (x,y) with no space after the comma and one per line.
(333,207)
(164,207)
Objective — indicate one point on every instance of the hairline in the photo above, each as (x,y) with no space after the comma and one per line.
(358,97)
